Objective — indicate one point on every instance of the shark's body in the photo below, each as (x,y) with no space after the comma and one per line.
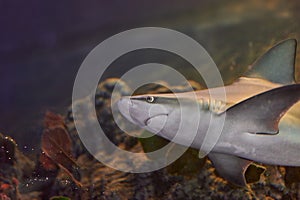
(262,116)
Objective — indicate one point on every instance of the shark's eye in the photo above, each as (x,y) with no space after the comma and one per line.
(150,99)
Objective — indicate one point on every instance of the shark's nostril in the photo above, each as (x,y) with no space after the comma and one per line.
(130,102)
(124,105)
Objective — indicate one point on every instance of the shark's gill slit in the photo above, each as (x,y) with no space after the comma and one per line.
(213,105)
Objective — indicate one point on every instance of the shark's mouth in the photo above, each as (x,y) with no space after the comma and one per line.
(155,117)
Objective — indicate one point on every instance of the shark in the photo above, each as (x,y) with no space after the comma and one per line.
(262,116)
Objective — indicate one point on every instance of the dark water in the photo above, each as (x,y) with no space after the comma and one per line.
(42,45)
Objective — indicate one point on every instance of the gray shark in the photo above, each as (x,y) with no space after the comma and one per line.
(262,111)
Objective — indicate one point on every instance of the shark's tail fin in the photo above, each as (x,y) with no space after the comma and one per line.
(261,113)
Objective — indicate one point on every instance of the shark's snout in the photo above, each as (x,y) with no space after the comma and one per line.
(152,116)
(124,105)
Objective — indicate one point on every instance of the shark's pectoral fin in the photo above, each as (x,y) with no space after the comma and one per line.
(234,169)
(261,113)
(277,65)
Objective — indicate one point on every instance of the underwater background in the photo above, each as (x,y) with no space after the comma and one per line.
(43,43)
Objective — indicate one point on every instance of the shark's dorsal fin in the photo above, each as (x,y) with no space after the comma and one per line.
(261,114)
(276,65)
(233,168)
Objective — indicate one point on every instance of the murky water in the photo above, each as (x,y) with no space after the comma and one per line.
(38,76)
